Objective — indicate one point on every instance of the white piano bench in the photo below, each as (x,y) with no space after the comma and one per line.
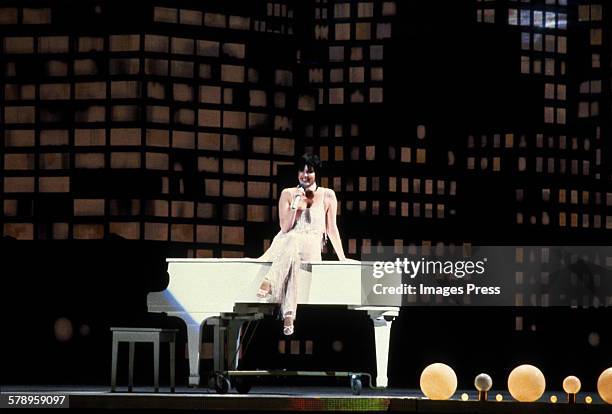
(147,335)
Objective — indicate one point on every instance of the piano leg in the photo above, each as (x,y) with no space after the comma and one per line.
(195,323)
(235,336)
(233,341)
(382,321)
(226,331)
(219,333)
(194,342)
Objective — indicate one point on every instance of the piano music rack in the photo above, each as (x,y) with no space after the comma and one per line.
(243,384)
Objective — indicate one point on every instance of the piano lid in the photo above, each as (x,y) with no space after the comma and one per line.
(255,260)
(217,260)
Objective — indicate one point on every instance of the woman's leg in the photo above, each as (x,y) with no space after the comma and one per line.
(289,304)
(281,280)
(306,249)
(272,254)
(289,300)
(283,253)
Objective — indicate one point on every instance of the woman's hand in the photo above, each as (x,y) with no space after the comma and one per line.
(288,206)
(303,200)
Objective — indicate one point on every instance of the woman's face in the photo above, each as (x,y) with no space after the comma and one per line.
(307,176)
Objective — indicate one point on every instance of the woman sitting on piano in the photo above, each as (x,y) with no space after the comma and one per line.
(307,216)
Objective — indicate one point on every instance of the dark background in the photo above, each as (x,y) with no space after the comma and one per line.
(442,70)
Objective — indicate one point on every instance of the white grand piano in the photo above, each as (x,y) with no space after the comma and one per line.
(221,292)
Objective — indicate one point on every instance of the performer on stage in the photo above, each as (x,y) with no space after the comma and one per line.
(307,216)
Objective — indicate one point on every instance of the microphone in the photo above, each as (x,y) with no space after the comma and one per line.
(296,199)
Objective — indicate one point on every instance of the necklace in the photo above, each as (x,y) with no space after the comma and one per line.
(314,191)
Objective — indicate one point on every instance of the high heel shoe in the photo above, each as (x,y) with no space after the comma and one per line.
(261,293)
(264,296)
(288,330)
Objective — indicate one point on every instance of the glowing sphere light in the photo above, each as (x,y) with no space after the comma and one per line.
(604,385)
(483,382)
(438,382)
(571,385)
(526,383)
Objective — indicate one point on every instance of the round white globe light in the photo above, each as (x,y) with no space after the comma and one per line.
(483,382)
(526,383)
(571,385)
(604,385)
(438,382)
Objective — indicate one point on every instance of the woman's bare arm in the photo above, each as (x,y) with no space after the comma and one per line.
(331,227)
(285,214)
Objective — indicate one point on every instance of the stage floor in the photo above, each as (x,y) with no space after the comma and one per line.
(287,399)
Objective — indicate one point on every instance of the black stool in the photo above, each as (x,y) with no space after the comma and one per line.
(149,335)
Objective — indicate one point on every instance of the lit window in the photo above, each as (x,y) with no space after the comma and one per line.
(525,18)
(524,64)
(336,96)
(549,44)
(562,44)
(538,19)
(470,163)
(362,31)
(192,17)
(165,15)
(336,75)
(525,40)
(550,20)
(342,10)
(596,36)
(336,53)
(512,17)
(343,31)
(383,30)
(421,155)
(392,208)
(560,115)
(232,73)
(562,21)
(548,115)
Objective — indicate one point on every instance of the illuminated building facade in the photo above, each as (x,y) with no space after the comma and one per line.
(557,155)
(171,128)
(162,123)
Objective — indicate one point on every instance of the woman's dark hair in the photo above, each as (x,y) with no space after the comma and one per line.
(310,161)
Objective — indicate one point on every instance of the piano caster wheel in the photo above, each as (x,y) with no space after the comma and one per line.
(221,384)
(356,384)
(242,384)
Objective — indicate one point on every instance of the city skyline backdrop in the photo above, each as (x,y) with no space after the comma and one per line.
(171,126)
